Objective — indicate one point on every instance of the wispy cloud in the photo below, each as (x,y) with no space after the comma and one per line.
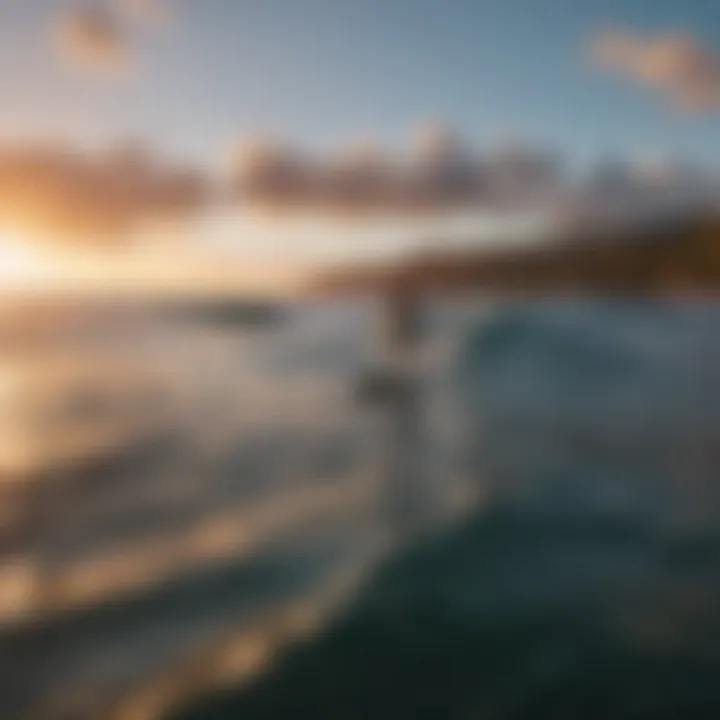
(101,36)
(677,66)
(92,38)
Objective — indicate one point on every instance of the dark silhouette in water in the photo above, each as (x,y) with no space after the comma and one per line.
(246,314)
(394,389)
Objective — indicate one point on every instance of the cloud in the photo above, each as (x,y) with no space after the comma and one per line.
(266,173)
(685,73)
(68,196)
(76,197)
(622,193)
(442,171)
(439,173)
(92,38)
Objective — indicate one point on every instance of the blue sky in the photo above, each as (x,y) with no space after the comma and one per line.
(324,72)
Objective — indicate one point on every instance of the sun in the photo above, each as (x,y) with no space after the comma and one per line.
(19,260)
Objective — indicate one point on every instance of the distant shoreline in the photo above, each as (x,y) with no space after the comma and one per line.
(678,259)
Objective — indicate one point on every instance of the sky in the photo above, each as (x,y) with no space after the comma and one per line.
(589,80)
(324,72)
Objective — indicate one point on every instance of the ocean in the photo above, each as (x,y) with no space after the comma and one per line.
(188,495)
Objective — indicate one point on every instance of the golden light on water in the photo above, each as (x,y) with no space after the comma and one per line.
(153,266)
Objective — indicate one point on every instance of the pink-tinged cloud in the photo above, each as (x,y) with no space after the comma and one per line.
(75,197)
(92,38)
(438,174)
(677,66)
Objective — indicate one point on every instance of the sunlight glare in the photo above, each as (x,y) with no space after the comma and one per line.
(19,260)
